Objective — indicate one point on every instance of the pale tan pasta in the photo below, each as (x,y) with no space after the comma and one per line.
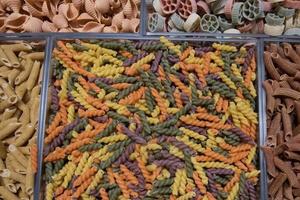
(32,79)
(24,74)
(26,133)
(3,58)
(18,47)
(7,195)
(35,55)
(8,113)
(13,59)
(21,66)
(29,179)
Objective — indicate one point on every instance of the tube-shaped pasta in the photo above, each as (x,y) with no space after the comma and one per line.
(9,184)
(3,152)
(13,175)
(4,71)
(34,111)
(9,129)
(13,59)
(15,165)
(8,113)
(8,90)
(4,104)
(22,195)
(26,133)
(24,74)
(17,154)
(7,195)
(12,75)
(21,90)
(35,91)
(4,59)
(32,79)
(25,150)
(35,55)
(29,178)
(6,122)
(25,117)
(17,47)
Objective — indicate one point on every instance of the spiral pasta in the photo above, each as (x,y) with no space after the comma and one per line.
(150,123)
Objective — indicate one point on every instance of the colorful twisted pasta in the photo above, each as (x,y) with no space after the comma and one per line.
(167,125)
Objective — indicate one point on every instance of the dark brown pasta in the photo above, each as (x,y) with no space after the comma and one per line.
(276,184)
(291,53)
(287,125)
(282,151)
(270,99)
(270,66)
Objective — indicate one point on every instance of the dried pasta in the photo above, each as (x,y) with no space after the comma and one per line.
(151,121)
(20,89)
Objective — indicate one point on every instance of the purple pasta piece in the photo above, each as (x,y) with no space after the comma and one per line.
(107,81)
(129,150)
(156,61)
(200,51)
(184,98)
(54,99)
(242,135)
(136,138)
(198,84)
(134,59)
(183,78)
(173,59)
(139,129)
(195,129)
(60,138)
(141,44)
(220,171)
(211,184)
(251,190)
(250,54)
(101,119)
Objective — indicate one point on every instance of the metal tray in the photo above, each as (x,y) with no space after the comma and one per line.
(52,38)
(13,38)
(262,100)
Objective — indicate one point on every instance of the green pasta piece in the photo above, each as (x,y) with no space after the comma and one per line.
(48,171)
(114,193)
(108,130)
(106,87)
(119,145)
(149,100)
(188,164)
(90,147)
(125,79)
(164,182)
(58,165)
(128,90)
(110,160)
(118,117)
(79,47)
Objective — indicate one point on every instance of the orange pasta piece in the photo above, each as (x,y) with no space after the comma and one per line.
(133,97)
(120,86)
(86,175)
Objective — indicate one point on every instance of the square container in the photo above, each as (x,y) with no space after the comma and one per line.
(262,99)
(39,43)
(100,37)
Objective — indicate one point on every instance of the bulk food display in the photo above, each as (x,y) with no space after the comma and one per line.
(282,62)
(155,119)
(108,16)
(21,64)
(270,17)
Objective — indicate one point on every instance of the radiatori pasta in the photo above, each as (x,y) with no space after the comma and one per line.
(151,120)
(20,75)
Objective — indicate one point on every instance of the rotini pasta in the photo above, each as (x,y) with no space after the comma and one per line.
(138,122)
